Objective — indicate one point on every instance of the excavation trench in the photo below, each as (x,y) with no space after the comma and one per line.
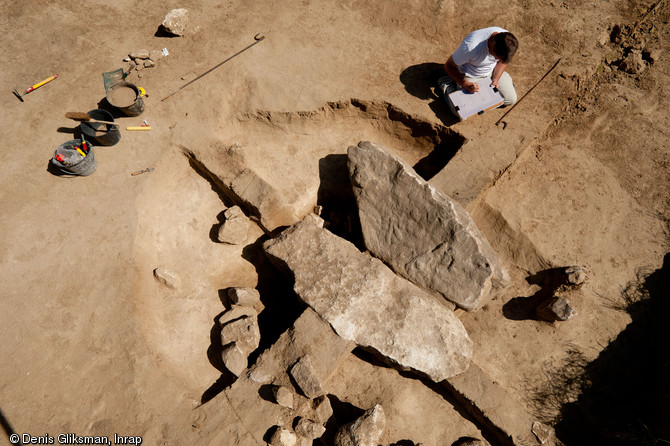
(278,167)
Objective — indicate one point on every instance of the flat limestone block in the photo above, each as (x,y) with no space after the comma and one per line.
(365,302)
(424,235)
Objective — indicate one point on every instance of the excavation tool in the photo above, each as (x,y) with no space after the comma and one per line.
(34,87)
(258,39)
(85,117)
(140,172)
(526,94)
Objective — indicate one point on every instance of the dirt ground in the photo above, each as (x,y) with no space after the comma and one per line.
(92,344)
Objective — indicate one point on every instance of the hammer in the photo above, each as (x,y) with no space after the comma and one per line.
(34,87)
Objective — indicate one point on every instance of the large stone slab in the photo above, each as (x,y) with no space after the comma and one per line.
(365,302)
(422,234)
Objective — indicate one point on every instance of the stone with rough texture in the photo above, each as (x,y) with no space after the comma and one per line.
(283,396)
(246,297)
(139,54)
(633,62)
(175,21)
(234,359)
(283,437)
(575,275)
(309,429)
(244,332)
(306,378)
(422,234)
(365,302)
(364,431)
(233,231)
(322,409)
(167,277)
(558,308)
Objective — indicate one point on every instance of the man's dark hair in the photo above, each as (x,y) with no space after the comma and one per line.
(504,46)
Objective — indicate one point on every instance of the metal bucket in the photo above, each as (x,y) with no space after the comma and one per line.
(73,163)
(108,138)
(126,97)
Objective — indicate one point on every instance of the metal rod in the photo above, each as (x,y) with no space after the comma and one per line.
(531,89)
(258,38)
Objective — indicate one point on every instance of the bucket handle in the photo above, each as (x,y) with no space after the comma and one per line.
(142,92)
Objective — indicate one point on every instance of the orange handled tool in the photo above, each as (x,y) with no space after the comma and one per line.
(34,87)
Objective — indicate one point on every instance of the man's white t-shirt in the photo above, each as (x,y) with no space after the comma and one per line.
(472,55)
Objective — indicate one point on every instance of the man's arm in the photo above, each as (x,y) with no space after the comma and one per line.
(498,70)
(452,70)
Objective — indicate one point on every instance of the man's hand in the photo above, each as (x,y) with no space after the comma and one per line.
(494,83)
(472,87)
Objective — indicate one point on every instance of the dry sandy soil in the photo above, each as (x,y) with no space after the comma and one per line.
(92,344)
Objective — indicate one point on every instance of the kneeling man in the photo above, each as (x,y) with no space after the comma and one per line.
(483,54)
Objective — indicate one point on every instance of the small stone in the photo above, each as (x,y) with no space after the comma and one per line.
(139,54)
(322,409)
(557,308)
(283,437)
(364,431)
(309,429)
(306,378)
(167,277)
(542,432)
(575,275)
(633,63)
(127,59)
(234,229)
(234,359)
(175,21)
(246,297)
(149,63)
(244,332)
(283,396)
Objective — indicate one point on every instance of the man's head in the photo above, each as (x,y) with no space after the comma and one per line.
(503,46)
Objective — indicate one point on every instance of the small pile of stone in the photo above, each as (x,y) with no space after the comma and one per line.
(240,333)
(559,307)
(307,427)
(143,58)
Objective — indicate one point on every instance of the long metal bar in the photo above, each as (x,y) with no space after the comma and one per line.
(258,38)
(531,89)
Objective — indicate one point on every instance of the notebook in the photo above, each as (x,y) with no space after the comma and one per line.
(468,104)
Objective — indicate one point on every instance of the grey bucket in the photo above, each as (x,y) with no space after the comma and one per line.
(134,109)
(108,138)
(74,163)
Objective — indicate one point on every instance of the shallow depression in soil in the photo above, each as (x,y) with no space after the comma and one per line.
(303,154)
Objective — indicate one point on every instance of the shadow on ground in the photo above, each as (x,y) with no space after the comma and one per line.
(524,308)
(421,81)
(623,396)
